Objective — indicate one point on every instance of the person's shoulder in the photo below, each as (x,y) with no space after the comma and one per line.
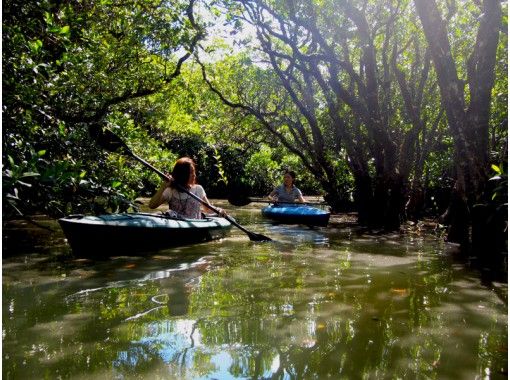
(168,191)
(198,188)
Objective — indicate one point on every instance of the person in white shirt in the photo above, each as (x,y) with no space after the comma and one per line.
(179,202)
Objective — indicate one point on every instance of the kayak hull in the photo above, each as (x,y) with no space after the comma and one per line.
(296,214)
(122,234)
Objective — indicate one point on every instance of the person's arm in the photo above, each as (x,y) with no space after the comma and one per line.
(300,198)
(206,209)
(158,199)
(273,195)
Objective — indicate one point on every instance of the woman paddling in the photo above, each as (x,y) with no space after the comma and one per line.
(287,192)
(179,202)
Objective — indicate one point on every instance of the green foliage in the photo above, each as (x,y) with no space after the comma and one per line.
(500,189)
(58,188)
(499,103)
(262,171)
(67,65)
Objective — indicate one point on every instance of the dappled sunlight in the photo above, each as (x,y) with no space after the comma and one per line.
(312,303)
(347,142)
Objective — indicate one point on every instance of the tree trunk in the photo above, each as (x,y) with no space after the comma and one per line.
(363,197)
(415,204)
(469,128)
(388,202)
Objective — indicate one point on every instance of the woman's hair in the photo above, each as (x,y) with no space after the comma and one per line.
(183,169)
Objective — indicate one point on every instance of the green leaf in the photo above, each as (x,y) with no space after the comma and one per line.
(65,30)
(496,168)
(35,46)
(11,162)
(30,174)
(116,184)
(62,129)
(48,18)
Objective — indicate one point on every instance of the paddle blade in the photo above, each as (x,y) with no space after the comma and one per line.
(258,237)
(238,194)
(108,140)
(238,201)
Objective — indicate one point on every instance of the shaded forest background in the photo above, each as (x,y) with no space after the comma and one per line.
(395,109)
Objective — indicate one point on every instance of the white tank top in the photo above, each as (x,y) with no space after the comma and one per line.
(183,204)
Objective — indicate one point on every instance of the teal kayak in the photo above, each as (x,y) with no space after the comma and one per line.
(291,213)
(119,234)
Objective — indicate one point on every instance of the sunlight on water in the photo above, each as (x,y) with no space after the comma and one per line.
(314,303)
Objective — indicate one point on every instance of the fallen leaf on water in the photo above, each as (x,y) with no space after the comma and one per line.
(401,292)
(129,266)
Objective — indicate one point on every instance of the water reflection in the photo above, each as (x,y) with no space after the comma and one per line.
(319,303)
(316,236)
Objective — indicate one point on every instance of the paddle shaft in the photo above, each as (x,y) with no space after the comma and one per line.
(198,199)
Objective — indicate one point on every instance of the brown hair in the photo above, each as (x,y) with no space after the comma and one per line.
(183,169)
(292,175)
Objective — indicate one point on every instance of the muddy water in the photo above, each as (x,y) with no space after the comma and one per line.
(314,304)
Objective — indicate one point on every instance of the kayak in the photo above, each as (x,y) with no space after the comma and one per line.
(296,214)
(119,234)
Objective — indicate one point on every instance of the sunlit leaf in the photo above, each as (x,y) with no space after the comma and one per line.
(64,30)
(30,174)
(496,168)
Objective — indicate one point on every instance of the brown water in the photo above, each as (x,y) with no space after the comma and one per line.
(325,303)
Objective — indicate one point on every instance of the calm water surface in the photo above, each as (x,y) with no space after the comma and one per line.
(325,303)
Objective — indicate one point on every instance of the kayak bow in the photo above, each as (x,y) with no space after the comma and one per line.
(291,213)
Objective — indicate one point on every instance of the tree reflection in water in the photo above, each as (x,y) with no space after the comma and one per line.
(275,316)
(359,307)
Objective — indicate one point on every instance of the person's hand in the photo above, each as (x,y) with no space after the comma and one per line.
(167,182)
(221,212)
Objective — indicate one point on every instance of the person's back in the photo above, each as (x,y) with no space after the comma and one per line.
(180,203)
(183,204)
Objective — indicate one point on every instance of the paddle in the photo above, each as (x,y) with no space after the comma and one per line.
(240,200)
(111,142)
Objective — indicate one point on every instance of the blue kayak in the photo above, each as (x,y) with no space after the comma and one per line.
(296,214)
